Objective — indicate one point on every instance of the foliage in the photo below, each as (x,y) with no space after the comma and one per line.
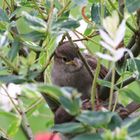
(31,30)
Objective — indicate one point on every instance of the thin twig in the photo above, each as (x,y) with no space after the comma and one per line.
(11,100)
(8,5)
(39,10)
(49,61)
(112,87)
(64,8)
(126,82)
(25,123)
(94,84)
(88,38)
(9,64)
(36,103)
(121,6)
(80,55)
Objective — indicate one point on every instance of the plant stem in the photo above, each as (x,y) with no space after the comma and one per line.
(12,5)
(127,23)
(37,7)
(9,64)
(64,8)
(25,123)
(11,100)
(8,5)
(94,85)
(88,38)
(80,55)
(36,103)
(112,86)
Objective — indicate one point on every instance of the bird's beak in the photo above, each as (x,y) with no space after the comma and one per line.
(76,62)
(72,62)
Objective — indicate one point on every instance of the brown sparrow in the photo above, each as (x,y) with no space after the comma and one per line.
(69,70)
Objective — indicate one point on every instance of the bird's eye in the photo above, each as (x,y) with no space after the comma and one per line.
(65,59)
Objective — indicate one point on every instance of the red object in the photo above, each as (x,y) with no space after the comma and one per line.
(47,136)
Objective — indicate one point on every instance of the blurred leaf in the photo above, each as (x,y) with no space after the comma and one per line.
(4,39)
(132,5)
(134,65)
(34,36)
(31,58)
(3,25)
(34,106)
(53,91)
(99,119)
(51,45)
(115,122)
(88,137)
(131,94)
(71,101)
(12,79)
(13,127)
(14,50)
(134,127)
(57,4)
(69,128)
(33,46)
(3,16)
(94,1)
(96,13)
(35,23)
(80,2)
(59,26)
(105,83)
(121,67)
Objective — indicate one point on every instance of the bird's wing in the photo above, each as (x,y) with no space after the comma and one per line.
(92,61)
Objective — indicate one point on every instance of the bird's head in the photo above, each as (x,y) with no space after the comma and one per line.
(67,56)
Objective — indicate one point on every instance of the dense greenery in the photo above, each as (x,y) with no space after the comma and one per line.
(30,31)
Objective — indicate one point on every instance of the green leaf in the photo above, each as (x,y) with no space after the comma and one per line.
(132,5)
(88,137)
(4,39)
(105,83)
(134,65)
(57,4)
(34,35)
(69,128)
(35,23)
(3,25)
(33,46)
(52,91)
(13,127)
(14,50)
(80,2)
(12,79)
(3,16)
(133,127)
(31,58)
(96,13)
(99,119)
(131,94)
(60,26)
(71,101)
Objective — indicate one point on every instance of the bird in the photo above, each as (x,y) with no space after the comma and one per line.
(69,70)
